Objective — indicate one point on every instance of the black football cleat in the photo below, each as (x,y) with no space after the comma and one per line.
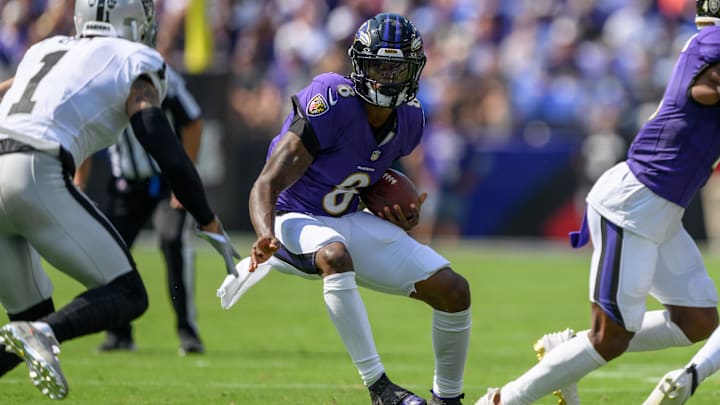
(114,342)
(385,392)
(436,400)
(189,343)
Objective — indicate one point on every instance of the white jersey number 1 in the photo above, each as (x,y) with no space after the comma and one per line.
(25,105)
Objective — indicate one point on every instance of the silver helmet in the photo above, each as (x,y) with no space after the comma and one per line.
(133,20)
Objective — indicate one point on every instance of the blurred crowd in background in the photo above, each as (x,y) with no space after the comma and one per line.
(529,72)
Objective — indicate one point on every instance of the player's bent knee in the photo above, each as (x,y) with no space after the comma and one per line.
(132,292)
(459,293)
(610,344)
(333,258)
(696,323)
(709,323)
(445,291)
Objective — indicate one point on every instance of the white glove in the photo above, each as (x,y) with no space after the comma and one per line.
(234,287)
(221,243)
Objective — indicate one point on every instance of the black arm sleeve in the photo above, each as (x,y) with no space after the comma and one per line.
(154,133)
(302,128)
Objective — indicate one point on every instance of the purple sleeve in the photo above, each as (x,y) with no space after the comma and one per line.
(709,45)
(414,117)
(312,101)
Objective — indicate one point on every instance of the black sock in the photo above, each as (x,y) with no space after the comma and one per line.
(105,307)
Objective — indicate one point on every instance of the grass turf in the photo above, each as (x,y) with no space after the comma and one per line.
(277,345)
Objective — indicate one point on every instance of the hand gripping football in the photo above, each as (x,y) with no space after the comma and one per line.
(392,188)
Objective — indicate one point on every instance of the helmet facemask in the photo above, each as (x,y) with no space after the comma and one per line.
(386,82)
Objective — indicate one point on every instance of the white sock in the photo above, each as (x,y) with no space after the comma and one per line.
(450,337)
(347,312)
(707,359)
(563,365)
(657,332)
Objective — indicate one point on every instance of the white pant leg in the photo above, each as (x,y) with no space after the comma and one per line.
(41,206)
(681,277)
(385,257)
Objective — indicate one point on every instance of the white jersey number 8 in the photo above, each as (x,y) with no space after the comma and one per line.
(338,200)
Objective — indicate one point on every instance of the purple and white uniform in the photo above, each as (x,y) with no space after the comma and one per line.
(322,206)
(677,150)
(348,157)
(636,208)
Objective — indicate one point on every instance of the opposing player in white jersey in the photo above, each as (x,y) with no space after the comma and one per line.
(70,97)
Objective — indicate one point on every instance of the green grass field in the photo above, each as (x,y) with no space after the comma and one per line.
(277,345)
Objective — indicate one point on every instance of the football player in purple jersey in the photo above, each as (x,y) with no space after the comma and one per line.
(641,249)
(342,134)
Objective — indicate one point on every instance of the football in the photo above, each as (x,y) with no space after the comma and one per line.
(393,188)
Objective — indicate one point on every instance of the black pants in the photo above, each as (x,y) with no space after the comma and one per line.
(129,207)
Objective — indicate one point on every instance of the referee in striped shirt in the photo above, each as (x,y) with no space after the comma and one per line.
(137,194)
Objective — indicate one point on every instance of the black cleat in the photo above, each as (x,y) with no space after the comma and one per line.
(189,343)
(114,342)
(384,392)
(436,400)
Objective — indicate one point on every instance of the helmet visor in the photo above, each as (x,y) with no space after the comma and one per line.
(389,72)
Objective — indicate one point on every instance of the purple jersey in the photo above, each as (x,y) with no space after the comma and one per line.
(348,157)
(676,150)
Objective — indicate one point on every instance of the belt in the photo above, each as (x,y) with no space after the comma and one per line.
(10,145)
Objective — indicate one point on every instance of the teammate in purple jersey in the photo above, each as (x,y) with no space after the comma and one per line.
(677,386)
(342,135)
(634,219)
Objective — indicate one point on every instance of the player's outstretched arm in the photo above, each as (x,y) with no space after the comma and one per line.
(190,135)
(155,134)
(286,165)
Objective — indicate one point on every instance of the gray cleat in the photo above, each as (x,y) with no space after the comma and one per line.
(38,347)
